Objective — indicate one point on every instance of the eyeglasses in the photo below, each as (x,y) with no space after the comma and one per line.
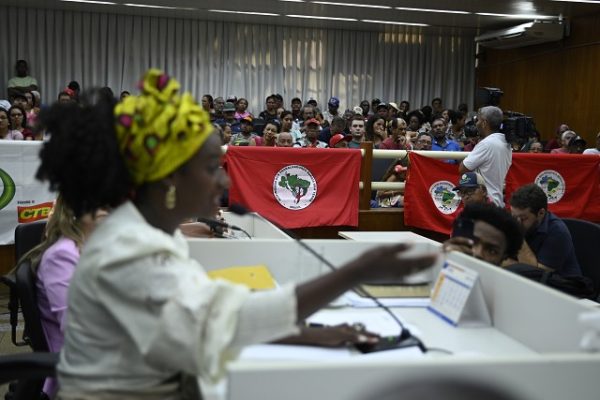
(16,115)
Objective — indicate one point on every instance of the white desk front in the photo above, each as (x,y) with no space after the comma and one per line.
(385,236)
(534,336)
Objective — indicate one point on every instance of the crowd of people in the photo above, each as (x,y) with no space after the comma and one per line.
(388,125)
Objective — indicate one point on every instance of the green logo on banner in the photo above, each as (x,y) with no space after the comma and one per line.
(8,189)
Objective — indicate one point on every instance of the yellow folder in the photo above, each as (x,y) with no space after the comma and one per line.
(256,277)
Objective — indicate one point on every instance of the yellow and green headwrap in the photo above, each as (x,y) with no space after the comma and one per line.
(159,130)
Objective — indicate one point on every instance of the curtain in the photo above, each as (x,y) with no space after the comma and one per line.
(251,61)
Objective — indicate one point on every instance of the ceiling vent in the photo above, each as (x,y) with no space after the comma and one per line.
(527,34)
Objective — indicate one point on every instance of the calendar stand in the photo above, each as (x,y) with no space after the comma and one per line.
(457,298)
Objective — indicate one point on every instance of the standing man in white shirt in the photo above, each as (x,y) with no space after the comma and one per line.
(492,156)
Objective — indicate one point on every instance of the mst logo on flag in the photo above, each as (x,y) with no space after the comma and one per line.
(552,183)
(445,199)
(296,188)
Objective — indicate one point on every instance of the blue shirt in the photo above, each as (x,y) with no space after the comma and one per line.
(553,246)
(451,145)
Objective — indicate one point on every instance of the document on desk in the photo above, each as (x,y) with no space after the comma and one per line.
(354,300)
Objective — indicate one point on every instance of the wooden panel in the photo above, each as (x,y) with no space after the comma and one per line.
(553,83)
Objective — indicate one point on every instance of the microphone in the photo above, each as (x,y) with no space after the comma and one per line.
(215,224)
(405,339)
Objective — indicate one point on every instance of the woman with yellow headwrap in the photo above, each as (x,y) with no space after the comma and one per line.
(141,312)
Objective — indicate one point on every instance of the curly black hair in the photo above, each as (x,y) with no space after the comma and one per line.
(82,159)
(500,219)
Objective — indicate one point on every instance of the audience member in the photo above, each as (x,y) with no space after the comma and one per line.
(576,145)
(333,106)
(296,108)
(241,109)
(5,132)
(536,147)
(219,104)
(456,130)
(393,111)
(64,97)
(382,111)
(492,156)
(124,94)
(374,103)
(564,143)
(436,105)
(76,88)
(404,108)
(548,243)
(18,124)
(225,132)
(311,135)
(471,188)
(270,113)
(284,139)
(289,125)
(424,141)
(357,130)
(397,139)
(245,133)
(375,130)
(364,106)
(339,141)
(22,82)
(208,105)
(441,141)
(269,136)
(415,120)
(392,198)
(594,150)
(486,232)
(53,262)
(337,126)
(555,142)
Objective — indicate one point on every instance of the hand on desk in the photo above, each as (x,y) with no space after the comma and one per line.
(332,336)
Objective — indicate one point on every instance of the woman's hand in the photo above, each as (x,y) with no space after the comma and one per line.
(333,336)
(389,262)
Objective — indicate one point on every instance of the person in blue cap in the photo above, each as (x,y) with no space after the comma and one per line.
(333,106)
(471,188)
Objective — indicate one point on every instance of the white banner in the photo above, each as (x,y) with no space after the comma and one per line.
(22,197)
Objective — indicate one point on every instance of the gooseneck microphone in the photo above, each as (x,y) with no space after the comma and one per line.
(217,226)
(405,339)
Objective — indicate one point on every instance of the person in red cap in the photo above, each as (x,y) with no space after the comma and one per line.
(339,141)
(311,138)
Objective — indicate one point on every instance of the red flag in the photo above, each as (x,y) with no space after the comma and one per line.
(294,187)
(429,201)
(571,182)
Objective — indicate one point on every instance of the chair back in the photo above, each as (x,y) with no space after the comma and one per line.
(29,370)
(27,236)
(27,292)
(586,239)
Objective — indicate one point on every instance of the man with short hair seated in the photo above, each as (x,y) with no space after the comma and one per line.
(486,232)
(548,243)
